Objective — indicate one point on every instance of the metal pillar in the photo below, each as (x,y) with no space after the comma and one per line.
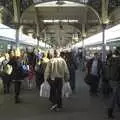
(83,37)
(103,43)
(16,6)
(105,21)
(105,11)
(45,38)
(37,42)
(17,37)
(38,36)
(37,26)
(83,48)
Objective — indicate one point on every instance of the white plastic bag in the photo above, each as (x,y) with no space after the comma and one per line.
(1,87)
(45,89)
(8,69)
(66,90)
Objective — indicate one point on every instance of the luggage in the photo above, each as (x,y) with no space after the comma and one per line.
(45,90)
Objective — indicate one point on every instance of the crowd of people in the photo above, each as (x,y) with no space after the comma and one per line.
(56,67)
(104,77)
(59,67)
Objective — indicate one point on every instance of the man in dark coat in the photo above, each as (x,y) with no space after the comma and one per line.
(94,68)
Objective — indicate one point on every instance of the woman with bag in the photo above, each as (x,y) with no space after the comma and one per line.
(40,69)
(6,70)
(18,74)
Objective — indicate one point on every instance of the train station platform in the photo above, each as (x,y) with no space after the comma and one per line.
(80,106)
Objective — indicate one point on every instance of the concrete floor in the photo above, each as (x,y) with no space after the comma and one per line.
(79,106)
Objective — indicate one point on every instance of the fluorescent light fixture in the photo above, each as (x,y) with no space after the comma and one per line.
(57,21)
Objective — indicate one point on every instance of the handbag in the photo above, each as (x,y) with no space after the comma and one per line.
(45,89)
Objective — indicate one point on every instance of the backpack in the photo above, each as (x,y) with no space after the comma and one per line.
(24,69)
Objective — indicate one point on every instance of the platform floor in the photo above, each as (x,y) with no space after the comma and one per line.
(79,106)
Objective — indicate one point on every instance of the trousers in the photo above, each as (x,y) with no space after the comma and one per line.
(56,91)
(17,89)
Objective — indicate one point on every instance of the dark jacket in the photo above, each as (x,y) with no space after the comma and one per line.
(89,66)
(16,73)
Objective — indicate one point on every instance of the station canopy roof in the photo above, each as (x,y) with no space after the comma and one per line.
(59,21)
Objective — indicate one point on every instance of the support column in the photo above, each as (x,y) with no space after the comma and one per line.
(37,42)
(17,36)
(38,32)
(38,36)
(16,6)
(103,43)
(83,37)
(37,26)
(105,21)
(105,11)
(45,38)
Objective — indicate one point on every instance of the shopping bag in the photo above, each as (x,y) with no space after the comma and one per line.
(1,87)
(66,90)
(45,90)
(8,69)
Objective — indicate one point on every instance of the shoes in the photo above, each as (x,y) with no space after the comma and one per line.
(57,110)
(53,107)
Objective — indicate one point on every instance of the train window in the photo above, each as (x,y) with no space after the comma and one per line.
(1,46)
(8,46)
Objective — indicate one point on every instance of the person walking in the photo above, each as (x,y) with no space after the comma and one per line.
(94,68)
(56,72)
(6,71)
(17,76)
(114,82)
